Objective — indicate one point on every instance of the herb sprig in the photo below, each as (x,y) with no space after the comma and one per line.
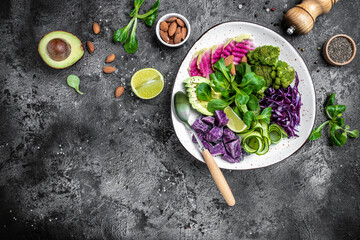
(122,34)
(338,132)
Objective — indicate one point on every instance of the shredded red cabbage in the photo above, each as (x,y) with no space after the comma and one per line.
(285,104)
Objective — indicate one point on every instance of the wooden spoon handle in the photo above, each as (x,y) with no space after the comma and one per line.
(219,178)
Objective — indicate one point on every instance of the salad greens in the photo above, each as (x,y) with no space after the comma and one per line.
(122,34)
(338,132)
(74,82)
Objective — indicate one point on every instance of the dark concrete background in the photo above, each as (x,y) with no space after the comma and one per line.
(96,167)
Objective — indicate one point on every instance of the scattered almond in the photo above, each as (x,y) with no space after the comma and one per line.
(109,69)
(164,26)
(183,32)
(178,30)
(110,58)
(172,29)
(229,60)
(119,91)
(177,38)
(164,36)
(180,22)
(90,47)
(244,59)
(171,19)
(96,28)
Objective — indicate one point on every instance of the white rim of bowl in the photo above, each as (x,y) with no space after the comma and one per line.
(166,16)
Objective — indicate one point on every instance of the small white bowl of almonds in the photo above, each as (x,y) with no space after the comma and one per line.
(173,30)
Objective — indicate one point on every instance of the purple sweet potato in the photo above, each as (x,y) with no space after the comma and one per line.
(214,134)
(229,159)
(200,126)
(206,144)
(208,120)
(201,137)
(217,149)
(221,118)
(233,148)
(228,135)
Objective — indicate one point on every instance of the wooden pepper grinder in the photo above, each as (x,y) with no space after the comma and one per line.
(301,18)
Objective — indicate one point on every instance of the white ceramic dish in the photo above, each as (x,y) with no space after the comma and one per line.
(262,36)
(163,18)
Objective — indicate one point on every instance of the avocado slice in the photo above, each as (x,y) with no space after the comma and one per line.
(60,49)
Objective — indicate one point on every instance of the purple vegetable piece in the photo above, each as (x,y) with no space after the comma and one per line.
(214,134)
(199,126)
(208,120)
(228,135)
(233,148)
(216,53)
(204,63)
(229,159)
(206,144)
(221,118)
(217,149)
(193,68)
(201,137)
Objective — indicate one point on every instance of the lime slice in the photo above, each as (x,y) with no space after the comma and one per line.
(235,123)
(147,83)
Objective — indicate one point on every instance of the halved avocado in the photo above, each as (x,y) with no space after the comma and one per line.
(60,49)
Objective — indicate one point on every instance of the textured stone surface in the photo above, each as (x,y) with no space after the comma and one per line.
(96,167)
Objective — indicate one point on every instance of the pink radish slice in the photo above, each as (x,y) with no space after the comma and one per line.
(193,70)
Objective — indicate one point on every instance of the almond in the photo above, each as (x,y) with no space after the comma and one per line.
(110,58)
(229,60)
(172,29)
(171,19)
(232,71)
(164,36)
(119,91)
(180,22)
(109,69)
(96,28)
(183,32)
(164,26)
(90,47)
(178,30)
(171,41)
(244,59)
(177,38)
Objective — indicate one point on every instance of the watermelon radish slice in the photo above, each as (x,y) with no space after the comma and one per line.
(204,63)
(216,53)
(193,68)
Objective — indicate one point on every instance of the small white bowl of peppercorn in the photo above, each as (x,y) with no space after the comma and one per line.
(173,30)
(339,50)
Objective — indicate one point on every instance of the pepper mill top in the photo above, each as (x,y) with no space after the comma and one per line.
(301,18)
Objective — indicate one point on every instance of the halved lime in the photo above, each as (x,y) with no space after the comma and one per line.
(147,83)
(235,123)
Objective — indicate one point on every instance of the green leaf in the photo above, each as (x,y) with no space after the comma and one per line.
(331,100)
(338,121)
(353,133)
(248,118)
(122,34)
(74,82)
(316,133)
(253,103)
(335,110)
(242,98)
(151,15)
(337,138)
(265,115)
(220,65)
(243,68)
(252,83)
(203,92)
(131,45)
(217,104)
(138,3)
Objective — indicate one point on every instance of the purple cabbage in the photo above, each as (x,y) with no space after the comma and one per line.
(233,148)
(217,149)
(208,120)
(228,135)
(214,134)
(285,106)
(221,118)
(200,126)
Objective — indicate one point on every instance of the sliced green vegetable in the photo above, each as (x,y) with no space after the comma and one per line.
(74,82)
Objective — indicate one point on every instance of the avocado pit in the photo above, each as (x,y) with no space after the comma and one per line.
(58,49)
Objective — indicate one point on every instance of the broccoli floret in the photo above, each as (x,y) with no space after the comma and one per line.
(285,74)
(265,55)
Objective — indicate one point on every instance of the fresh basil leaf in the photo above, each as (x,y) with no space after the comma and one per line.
(203,92)
(253,103)
(74,82)
(131,45)
(316,133)
(217,104)
(265,115)
(335,110)
(122,34)
(248,118)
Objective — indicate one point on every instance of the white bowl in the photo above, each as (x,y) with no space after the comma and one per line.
(163,18)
